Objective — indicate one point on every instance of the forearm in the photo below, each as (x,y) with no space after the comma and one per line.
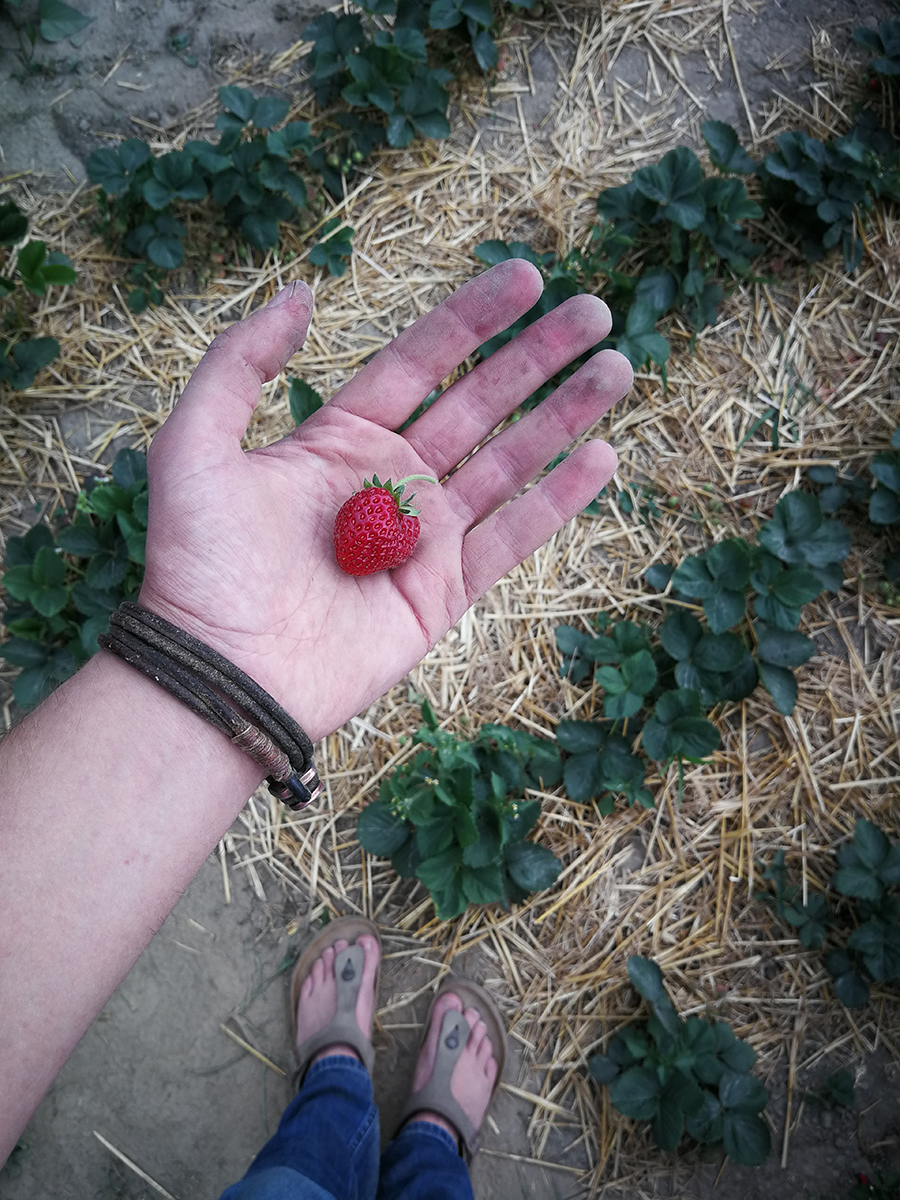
(112,794)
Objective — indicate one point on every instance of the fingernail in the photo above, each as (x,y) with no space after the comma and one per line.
(283,296)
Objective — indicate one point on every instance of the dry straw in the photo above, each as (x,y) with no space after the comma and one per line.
(675,883)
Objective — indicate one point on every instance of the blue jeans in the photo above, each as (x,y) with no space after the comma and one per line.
(326,1148)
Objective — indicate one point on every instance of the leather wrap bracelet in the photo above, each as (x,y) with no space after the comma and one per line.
(214,688)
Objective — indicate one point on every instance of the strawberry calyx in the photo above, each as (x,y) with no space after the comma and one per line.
(396,491)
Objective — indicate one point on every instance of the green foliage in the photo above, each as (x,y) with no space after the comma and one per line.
(868,873)
(684,1076)
(837,1091)
(22,356)
(882,502)
(334,250)
(303,399)
(822,189)
(398,76)
(250,173)
(674,238)
(664,683)
(455,817)
(52,20)
(63,582)
(884,43)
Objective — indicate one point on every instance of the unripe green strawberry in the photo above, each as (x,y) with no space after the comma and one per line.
(376,529)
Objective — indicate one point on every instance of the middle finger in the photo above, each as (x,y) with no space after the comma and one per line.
(467,412)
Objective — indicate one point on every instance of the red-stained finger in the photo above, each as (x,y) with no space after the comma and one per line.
(399,377)
(216,405)
(509,461)
(510,535)
(468,411)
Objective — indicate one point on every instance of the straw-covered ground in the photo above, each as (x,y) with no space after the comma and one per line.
(676,883)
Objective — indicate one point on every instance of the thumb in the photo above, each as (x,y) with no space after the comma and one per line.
(215,407)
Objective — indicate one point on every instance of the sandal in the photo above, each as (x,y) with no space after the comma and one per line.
(436,1095)
(342,1028)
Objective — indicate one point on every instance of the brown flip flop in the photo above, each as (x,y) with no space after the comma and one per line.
(436,1095)
(348,975)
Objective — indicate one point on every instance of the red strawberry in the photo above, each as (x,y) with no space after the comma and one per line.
(375,529)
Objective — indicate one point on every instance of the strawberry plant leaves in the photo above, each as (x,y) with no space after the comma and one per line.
(781,648)
(482,884)
(725,149)
(746,1138)
(60,21)
(303,399)
(13,224)
(531,866)
(646,977)
(603,1068)
(878,943)
(884,507)
(636,1093)
(781,685)
(674,183)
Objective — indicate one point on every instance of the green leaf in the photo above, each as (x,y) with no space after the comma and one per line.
(719,652)
(725,148)
(724,609)
(30,258)
(304,400)
(783,649)
(646,977)
(696,736)
(484,884)
(870,844)
(13,224)
(746,1138)
(781,685)
(33,685)
(531,866)
(674,182)
(636,1093)
(60,21)
(796,587)
(879,944)
(107,569)
(49,568)
(886,469)
(21,652)
(579,737)
(602,1068)
(440,872)
(379,830)
(269,111)
(485,51)
(884,507)
(741,1092)
(238,101)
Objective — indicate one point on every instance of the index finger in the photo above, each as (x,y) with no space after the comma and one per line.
(390,387)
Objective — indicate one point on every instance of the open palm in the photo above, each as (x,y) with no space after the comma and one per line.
(240,545)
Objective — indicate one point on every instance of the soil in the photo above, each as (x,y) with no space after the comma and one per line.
(156,1075)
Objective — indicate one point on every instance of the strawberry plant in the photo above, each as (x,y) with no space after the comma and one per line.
(334,249)
(21,356)
(822,189)
(250,173)
(868,874)
(455,816)
(62,582)
(884,43)
(881,502)
(662,684)
(684,1077)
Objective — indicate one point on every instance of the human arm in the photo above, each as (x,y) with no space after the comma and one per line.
(111,793)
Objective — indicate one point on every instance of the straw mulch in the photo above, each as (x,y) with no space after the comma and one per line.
(675,883)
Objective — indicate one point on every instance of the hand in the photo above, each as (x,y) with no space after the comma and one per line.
(240,545)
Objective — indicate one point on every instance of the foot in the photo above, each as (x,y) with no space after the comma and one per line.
(318,996)
(472,1081)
